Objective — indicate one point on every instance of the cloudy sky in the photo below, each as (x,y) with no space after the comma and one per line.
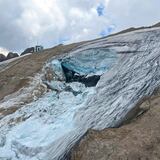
(24,23)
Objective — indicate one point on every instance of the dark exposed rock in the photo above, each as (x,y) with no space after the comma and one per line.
(69,89)
(2,57)
(9,56)
(72,76)
(12,55)
(28,50)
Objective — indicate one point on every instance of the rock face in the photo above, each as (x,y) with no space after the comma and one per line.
(140,139)
(12,55)
(2,57)
(9,56)
(28,50)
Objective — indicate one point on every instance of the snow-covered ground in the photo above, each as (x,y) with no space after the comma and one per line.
(47,128)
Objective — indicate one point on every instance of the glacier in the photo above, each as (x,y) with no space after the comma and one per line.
(51,117)
(128,69)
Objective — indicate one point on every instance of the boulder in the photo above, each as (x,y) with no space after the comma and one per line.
(2,57)
(12,55)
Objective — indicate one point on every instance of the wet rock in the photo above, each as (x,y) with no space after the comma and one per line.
(89,81)
(72,76)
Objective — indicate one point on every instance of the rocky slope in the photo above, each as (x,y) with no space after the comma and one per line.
(50,100)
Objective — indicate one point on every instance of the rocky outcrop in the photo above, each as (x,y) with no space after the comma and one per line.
(28,50)
(2,57)
(137,140)
(11,55)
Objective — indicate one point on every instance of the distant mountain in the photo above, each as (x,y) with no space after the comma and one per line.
(9,56)
(12,55)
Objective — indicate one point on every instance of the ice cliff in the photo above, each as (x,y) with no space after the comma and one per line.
(97,85)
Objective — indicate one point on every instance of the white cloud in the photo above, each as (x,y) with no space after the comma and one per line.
(49,22)
(128,13)
(4,51)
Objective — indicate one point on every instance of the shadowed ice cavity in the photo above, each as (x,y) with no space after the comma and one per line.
(87,66)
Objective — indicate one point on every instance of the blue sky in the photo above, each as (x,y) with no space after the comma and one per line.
(50,22)
(100,9)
